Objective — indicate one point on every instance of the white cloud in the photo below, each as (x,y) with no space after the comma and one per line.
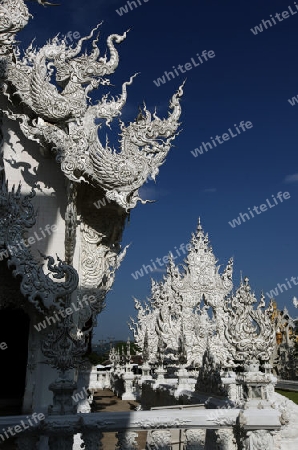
(291,178)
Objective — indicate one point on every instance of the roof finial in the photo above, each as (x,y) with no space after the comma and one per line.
(45,3)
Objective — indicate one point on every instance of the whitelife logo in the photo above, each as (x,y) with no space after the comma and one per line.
(49,229)
(68,311)
(70,36)
(3,346)
(187,66)
(225,137)
(270,22)
(165,259)
(80,395)
(263,207)
(293,101)
(11,431)
(132,5)
(274,292)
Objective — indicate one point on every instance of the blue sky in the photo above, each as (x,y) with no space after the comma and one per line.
(250,78)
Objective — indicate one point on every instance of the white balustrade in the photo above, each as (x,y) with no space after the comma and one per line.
(257,425)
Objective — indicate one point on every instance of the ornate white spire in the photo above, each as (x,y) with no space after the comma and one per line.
(175,303)
(202,273)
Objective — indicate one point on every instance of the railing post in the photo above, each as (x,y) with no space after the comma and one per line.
(127,440)
(160,440)
(128,378)
(194,439)
(27,442)
(225,439)
(258,439)
(61,442)
(92,440)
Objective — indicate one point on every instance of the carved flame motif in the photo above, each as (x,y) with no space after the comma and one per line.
(64,352)
(53,83)
(75,76)
(248,330)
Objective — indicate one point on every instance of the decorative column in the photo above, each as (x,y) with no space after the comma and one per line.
(146,355)
(195,439)
(258,439)
(95,379)
(128,378)
(146,372)
(183,381)
(92,440)
(225,439)
(160,440)
(160,372)
(230,386)
(126,440)
(61,442)
(27,442)
(64,353)
(62,396)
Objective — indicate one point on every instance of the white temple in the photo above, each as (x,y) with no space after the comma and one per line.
(59,254)
(193,303)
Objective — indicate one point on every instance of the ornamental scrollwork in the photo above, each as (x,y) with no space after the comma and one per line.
(127,440)
(14,16)
(16,217)
(160,440)
(62,350)
(159,423)
(249,331)
(258,440)
(195,439)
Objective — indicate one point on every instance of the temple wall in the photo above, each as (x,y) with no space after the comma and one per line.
(24,163)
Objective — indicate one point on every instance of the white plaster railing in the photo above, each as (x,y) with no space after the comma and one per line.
(256,424)
(287,384)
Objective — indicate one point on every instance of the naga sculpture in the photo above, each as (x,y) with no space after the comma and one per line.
(16,217)
(53,84)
